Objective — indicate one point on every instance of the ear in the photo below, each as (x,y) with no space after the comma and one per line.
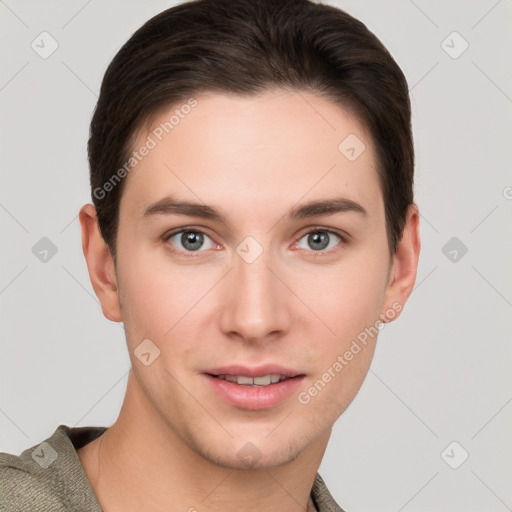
(100,264)
(403,271)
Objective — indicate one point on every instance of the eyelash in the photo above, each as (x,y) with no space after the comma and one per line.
(317,229)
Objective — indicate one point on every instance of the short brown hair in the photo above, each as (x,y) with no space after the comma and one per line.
(246,47)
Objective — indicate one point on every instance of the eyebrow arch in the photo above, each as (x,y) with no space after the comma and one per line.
(171,206)
(325,207)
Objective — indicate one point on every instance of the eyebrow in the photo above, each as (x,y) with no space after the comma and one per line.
(171,206)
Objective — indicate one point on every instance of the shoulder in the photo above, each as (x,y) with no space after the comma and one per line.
(48,476)
(23,488)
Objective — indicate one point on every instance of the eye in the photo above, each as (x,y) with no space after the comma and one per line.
(191,240)
(321,239)
(196,241)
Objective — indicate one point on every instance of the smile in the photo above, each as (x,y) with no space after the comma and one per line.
(265,380)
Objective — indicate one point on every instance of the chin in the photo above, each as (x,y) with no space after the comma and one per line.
(238,454)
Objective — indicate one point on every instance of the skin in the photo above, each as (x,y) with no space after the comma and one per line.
(254,159)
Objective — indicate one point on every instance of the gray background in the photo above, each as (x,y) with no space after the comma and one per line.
(441,373)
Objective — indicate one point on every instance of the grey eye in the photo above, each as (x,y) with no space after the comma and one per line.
(320,239)
(190,240)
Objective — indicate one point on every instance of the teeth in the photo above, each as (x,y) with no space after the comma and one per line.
(265,380)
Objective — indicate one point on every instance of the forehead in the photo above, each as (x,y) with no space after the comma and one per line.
(253,152)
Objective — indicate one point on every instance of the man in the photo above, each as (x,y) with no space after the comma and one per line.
(253,227)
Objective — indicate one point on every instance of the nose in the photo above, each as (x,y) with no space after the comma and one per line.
(256,302)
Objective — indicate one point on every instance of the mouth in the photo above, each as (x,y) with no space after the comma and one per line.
(263,381)
(254,388)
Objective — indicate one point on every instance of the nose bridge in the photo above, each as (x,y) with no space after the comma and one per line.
(257,305)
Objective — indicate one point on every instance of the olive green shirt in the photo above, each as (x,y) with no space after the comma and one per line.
(49,477)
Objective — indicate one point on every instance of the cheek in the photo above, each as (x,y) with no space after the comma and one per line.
(157,296)
(350,297)
(353,303)
(162,301)
(350,306)
(154,308)
(148,294)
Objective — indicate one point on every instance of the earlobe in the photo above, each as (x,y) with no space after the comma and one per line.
(100,264)
(404,268)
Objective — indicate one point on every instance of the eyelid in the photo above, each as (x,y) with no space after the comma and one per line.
(175,231)
(183,229)
(315,228)
(344,237)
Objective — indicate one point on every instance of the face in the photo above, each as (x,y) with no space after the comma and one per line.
(256,284)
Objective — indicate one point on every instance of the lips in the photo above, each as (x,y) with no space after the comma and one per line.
(265,380)
(254,371)
(253,388)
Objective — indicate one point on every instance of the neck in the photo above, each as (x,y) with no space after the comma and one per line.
(140,463)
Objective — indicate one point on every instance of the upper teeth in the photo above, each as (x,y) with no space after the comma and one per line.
(265,380)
